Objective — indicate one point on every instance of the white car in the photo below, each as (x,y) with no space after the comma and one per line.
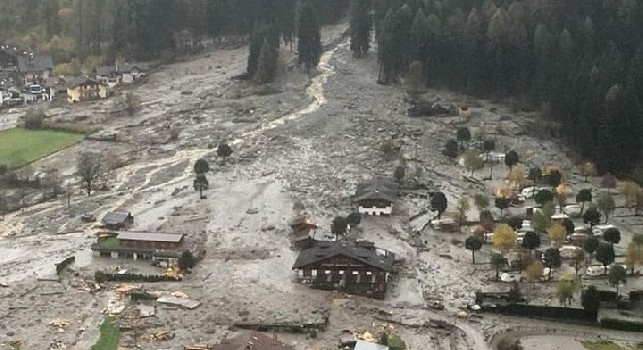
(595,270)
(573,209)
(598,230)
(570,251)
(510,277)
(529,192)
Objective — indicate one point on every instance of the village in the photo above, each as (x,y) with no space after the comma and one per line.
(27,77)
(320,216)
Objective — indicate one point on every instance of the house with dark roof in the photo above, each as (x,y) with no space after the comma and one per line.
(118,220)
(162,248)
(8,59)
(121,73)
(376,197)
(35,67)
(354,267)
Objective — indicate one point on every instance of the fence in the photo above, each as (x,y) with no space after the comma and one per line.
(101,277)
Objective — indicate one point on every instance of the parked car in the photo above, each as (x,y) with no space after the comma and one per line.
(598,230)
(510,277)
(570,251)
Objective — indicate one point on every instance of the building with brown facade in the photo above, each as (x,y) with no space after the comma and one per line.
(355,267)
(165,248)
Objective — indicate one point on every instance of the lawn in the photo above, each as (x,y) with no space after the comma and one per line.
(109,243)
(20,146)
(109,336)
(602,345)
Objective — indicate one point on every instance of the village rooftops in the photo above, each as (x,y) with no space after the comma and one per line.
(34,62)
(363,251)
(117,218)
(149,236)
(82,81)
(251,341)
(124,68)
(378,188)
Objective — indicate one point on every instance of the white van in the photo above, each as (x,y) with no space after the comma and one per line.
(598,230)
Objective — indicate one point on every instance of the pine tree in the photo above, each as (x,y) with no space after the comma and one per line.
(267,62)
(419,36)
(360,27)
(309,37)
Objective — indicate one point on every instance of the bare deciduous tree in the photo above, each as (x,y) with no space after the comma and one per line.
(89,169)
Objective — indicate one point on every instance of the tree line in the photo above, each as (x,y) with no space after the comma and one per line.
(142,29)
(580,62)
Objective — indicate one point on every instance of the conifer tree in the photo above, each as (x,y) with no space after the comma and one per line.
(309,37)
(360,27)
(267,62)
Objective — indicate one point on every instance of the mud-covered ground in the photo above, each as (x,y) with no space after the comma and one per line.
(307,139)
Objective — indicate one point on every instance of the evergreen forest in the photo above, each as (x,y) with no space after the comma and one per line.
(578,62)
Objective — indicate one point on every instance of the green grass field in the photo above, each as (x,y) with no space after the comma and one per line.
(109,336)
(603,345)
(20,146)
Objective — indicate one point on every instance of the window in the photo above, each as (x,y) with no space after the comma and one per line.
(313,273)
(341,272)
(357,276)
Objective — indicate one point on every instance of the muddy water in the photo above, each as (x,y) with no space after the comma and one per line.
(315,91)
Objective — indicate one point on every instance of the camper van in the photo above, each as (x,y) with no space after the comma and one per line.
(598,230)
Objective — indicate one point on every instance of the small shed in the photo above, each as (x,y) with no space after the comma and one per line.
(118,220)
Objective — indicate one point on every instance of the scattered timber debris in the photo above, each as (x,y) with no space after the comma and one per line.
(197,347)
(283,327)
(162,336)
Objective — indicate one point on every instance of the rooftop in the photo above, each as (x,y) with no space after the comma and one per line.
(150,236)
(363,251)
(377,188)
(34,62)
(116,217)
(124,68)
(251,341)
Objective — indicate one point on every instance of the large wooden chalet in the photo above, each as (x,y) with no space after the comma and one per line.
(376,197)
(353,267)
(164,248)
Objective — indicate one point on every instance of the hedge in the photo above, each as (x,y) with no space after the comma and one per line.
(621,325)
(101,277)
(552,312)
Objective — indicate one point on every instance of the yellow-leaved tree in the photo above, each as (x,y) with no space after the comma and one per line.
(557,233)
(504,237)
